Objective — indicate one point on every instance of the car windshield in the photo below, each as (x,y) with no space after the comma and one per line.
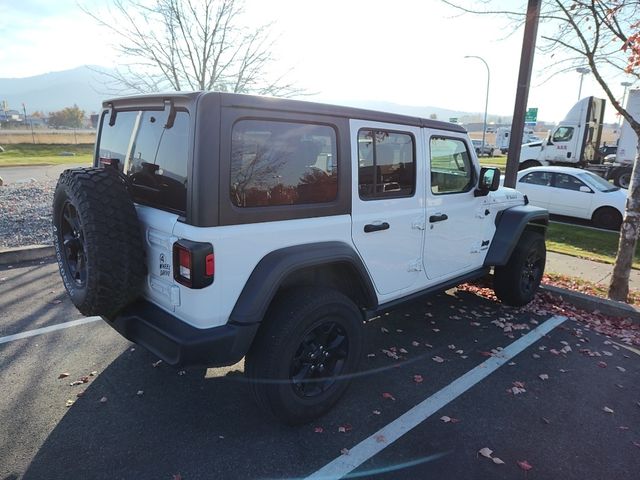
(596,182)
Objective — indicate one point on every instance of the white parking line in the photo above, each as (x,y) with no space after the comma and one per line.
(369,447)
(52,328)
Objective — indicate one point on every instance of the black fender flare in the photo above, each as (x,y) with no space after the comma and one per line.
(276,266)
(510,224)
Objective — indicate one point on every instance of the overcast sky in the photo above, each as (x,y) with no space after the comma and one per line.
(401,51)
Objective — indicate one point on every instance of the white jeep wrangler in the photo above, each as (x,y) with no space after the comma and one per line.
(218,226)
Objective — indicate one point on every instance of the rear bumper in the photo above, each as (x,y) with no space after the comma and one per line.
(180,344)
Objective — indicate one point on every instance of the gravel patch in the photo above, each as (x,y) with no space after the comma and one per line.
(25,213)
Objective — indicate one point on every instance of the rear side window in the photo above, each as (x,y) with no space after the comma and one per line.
(386,164)
(451,166)
(282,163)
(537,178)
(152,156)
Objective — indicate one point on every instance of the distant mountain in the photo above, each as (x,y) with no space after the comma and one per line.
(53,91)
(87,88)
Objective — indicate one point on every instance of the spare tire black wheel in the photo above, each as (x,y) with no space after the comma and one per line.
(98,240)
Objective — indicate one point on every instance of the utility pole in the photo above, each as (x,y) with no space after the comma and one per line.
(522,92)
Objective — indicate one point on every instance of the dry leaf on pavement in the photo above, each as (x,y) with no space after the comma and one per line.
(485,452)
(524,465)
(388,395)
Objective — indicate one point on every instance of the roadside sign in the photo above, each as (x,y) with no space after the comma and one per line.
(453,119)
(531,116)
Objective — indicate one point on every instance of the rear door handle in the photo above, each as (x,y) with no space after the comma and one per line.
(438,218)
(370,227)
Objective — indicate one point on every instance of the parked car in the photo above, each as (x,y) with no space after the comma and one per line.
(480,150)
(271,229)
(575,193)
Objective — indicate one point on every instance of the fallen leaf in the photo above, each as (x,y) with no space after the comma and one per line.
(344,451)
(77,382)
(63,375)
(485,452)
(543,376)
(497,461)
(140,393)
(402,350)
(69,403)
(156,364)
(345,428)
(80,394)
(318,429)
(435,330)
(438,359)
(371,355)
(415,344)
(103,400)
(418,378)
(376,412)
(622,369)
(182,372)
(93,374)
(384,330)
(380,438)
(524,465)
(636,444)
(546,420)
(399,330)
(84,379)
(445,419)
(388,395)
(535,355)
(607,409)
(602,364)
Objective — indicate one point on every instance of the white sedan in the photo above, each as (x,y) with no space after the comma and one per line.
(575,193)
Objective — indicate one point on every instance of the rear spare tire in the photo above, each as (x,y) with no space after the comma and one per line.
(98,241)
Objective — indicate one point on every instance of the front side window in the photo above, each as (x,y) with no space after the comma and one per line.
(568,182)
(451,166)
(562,134)
(386,164)
(152,156)
(282,163)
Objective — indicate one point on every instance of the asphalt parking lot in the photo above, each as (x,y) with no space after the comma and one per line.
(442,380)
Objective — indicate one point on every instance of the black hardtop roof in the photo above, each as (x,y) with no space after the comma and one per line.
(281,105)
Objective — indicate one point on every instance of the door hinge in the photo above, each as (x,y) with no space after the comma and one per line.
(415,266)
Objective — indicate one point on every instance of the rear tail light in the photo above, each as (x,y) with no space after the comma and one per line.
(193,263)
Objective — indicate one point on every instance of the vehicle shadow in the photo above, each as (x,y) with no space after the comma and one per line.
(156,422)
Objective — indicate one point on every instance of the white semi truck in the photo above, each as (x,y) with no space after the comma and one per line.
(503,136)
(576,140)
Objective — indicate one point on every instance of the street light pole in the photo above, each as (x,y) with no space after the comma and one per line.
(582,71)
(624,95)
(486,102)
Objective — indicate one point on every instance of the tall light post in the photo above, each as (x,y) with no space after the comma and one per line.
(624,96)
(582,71)
(486,102)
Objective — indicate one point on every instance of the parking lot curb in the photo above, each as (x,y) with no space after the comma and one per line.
(591,303)
(25,254)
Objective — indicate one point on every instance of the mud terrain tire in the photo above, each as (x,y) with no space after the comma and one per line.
(98,240)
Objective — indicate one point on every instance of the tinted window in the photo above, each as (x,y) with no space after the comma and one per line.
(281,163)
(563,134)
(386,164)
(451,166)
(537,178)
(153,157)
(568,182)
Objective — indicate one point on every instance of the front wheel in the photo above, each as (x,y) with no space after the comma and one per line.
(304,354)
(529,164)
(608,218)
(516,282)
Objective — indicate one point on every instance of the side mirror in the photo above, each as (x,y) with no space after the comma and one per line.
(585,189)
(489,181)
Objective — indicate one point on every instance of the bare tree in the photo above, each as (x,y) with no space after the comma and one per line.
(606,36)
(190,45)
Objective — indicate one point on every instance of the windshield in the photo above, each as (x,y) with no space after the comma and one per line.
(596,182)
(153,157)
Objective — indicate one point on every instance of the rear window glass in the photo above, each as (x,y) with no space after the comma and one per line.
(282,163)
(153,157)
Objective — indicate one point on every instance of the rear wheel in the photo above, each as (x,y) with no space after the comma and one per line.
(308,346)
(516,282)
(622,177)
(607,217)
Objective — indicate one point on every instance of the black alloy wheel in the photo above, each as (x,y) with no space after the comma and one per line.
(320,358)
(75,256)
